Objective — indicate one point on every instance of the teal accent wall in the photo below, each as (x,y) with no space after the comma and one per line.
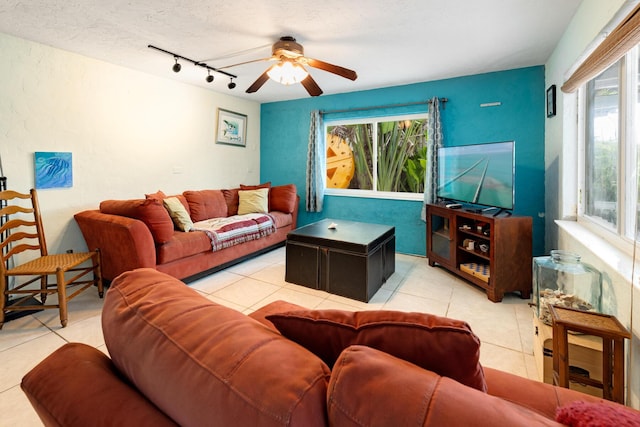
(284,137)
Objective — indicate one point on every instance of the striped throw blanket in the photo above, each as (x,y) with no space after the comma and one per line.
(233,230)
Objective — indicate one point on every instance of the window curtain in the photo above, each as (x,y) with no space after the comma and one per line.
(316,164)
(434,141)
(621,40)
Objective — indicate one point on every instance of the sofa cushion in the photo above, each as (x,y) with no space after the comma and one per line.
(205,364)
(232,199)
(283,198)
(149,211)
(206,204)
(281,219)
(253,201)
(445,346)
(183,245)
(178,214)
(372,388)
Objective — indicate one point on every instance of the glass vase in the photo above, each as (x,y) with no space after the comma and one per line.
(562,279)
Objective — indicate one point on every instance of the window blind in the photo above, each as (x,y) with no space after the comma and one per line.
(621,40)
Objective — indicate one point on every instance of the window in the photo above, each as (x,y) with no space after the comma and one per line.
(610,187)
(377,156)
(602,146)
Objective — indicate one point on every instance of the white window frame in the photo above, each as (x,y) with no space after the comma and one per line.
(373,194)
(621,236)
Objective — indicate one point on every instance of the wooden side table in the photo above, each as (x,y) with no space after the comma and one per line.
(604,326)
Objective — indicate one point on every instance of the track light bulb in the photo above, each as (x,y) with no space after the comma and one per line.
(209,77)
(176,67)
(231,84)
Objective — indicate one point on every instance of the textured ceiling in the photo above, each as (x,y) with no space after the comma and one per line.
(388,42)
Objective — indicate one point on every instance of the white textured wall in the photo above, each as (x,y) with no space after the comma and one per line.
(561,169)
(129,133)
(561,160)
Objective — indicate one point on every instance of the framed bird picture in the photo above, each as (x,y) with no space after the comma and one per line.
(232,128)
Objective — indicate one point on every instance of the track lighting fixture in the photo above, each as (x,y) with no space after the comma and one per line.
(177,67)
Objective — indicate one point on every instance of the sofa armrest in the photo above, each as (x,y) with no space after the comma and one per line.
(294,214)
(78,385)
(537,396)
(125,243)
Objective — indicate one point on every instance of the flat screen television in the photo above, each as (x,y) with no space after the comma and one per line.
(480,174)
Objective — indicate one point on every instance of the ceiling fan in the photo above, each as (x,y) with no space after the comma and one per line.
(290,67)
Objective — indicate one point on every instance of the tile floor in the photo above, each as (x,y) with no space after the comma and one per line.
(505,329)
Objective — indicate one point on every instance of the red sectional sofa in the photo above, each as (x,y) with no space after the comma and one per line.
(177,358)
(140,233)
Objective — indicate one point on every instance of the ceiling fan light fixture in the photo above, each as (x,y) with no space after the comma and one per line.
(287,73)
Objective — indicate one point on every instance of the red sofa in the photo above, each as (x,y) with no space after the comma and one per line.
(177,358)
(140,233)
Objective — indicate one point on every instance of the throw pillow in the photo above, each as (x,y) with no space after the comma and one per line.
(445,346)
(253,201)
(584,414)
(255,187)
(206,204)
(149,211)
(178,214)
(159,195)
(283,198)
(232,200)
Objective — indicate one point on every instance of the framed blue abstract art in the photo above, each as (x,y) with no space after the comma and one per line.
(53,170)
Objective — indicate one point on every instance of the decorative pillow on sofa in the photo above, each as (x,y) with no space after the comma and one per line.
(232,200)
(283,198)
(445,346)
(256,187)
(253,201)
(159,195)
(150,211)
(206,204)
(178,214)
(601,414)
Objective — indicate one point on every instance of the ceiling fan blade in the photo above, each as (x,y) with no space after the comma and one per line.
(258,83)
(335,69)
(311,86)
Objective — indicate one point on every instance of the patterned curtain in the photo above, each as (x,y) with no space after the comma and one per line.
(434,141)
(316,164)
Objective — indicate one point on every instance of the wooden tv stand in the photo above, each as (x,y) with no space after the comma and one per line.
(499,260)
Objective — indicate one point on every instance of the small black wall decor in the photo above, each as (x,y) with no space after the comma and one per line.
(551,101)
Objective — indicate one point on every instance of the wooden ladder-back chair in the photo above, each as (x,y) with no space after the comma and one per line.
(23,250)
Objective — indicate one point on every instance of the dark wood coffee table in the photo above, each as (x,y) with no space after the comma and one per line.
(353,260)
